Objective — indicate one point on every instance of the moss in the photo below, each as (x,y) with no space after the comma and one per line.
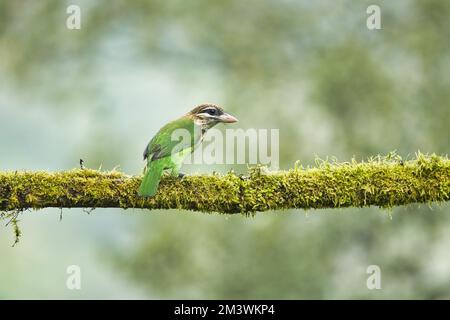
(17,232)
(381,181)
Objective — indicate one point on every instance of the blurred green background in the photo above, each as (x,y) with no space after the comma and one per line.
(310,68)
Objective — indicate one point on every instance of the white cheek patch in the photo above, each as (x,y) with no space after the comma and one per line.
(206,117)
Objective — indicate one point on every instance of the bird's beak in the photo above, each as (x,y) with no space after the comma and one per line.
(227,118)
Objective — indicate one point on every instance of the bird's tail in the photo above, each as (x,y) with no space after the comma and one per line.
(152,176)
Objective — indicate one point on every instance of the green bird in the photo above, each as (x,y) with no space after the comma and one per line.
(175,141)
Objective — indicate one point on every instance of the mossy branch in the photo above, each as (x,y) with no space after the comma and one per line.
(380,182)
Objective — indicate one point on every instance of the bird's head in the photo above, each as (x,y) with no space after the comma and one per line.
(208,115)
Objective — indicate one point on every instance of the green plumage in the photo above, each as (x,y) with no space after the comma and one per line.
(173,142)
(150,182)
(167,151)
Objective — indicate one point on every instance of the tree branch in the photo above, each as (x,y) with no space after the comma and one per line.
(381,182)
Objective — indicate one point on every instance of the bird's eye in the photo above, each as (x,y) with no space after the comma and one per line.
(212,112)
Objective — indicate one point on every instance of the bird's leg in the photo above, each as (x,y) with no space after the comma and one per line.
(175,172)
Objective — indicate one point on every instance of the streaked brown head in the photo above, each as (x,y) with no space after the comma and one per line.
(210,114)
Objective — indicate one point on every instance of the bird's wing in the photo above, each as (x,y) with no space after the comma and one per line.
(174,137)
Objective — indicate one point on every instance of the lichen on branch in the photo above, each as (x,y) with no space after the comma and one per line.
(383,182)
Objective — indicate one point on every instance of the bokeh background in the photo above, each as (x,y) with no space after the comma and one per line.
(310,68)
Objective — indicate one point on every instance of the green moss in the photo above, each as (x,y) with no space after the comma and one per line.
(381,181)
